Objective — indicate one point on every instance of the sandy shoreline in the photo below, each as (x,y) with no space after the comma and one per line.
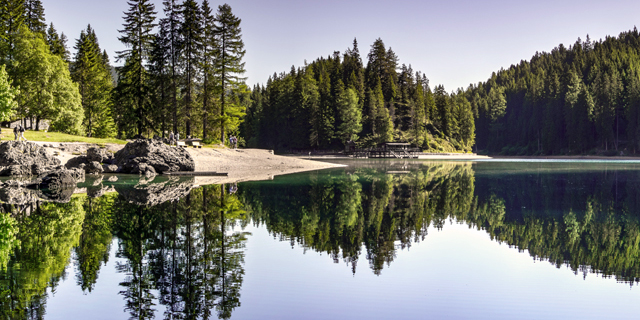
(241,164)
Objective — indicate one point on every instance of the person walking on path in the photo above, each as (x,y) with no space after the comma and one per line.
(171,137)
(22,133)
(15,132)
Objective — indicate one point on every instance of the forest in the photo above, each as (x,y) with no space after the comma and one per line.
(180,73)
(336,99)
(584,99)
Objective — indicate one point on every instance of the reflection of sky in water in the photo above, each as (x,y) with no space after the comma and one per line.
(455,273)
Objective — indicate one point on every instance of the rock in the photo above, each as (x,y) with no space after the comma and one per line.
(57,179)
(78,174)
(18,195)
(19,158)
(113,179)
(109,168)
(77,162)
(100,155)
(94,167)
(16,170)
(89,163)
(139,155)
(97,181)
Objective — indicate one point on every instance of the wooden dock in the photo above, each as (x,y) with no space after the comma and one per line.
(197,173)
(389,150)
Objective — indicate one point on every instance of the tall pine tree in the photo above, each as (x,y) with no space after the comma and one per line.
(229,65)
(137,37)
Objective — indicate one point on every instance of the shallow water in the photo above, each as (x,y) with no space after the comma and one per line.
(379,239)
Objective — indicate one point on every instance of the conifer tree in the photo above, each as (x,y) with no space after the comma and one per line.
(57,43)
(349,113)
(34,16)
(171,25)
(191,34)
(209,46)
(137,37)
(229,65)
(158,68)
(11,19)
(93,77)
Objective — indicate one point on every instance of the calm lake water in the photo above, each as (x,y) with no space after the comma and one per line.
(375,240)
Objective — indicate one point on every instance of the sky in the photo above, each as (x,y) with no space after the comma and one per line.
(455,43)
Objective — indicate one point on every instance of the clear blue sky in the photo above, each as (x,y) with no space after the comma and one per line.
(455,42)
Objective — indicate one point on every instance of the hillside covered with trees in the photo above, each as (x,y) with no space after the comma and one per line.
(575,100)
(337,99)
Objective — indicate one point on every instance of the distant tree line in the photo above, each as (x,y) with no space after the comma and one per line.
(182,73)
(576,100)
(333,100)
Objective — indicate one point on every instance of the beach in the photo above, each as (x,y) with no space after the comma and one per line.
(239,164)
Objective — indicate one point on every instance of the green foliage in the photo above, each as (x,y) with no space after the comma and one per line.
(310,102)
(8,232)
(57,43)
(350,115)
(133,91)
(8,103)
(229,66)
(567,101)
(93,77)
(46,88)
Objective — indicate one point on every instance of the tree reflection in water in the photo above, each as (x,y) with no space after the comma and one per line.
(183,253)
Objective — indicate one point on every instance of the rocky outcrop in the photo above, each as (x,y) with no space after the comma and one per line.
(19,158)
(100,155)
(96,161)
(149,157)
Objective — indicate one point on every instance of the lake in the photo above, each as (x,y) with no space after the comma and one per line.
(385,239)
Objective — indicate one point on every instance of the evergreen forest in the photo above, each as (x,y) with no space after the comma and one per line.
(182,71)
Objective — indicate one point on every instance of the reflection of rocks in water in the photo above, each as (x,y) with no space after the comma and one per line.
(151,192)
(17,194)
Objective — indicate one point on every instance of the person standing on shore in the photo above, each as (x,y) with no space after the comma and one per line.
(171,137)
(15,132)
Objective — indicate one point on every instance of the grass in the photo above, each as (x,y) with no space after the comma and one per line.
(7,134)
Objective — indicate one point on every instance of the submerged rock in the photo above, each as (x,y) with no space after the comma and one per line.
(20,158)
(149,157)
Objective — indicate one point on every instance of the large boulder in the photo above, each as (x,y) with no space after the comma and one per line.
(100,155)
(152,156)
(18,158)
